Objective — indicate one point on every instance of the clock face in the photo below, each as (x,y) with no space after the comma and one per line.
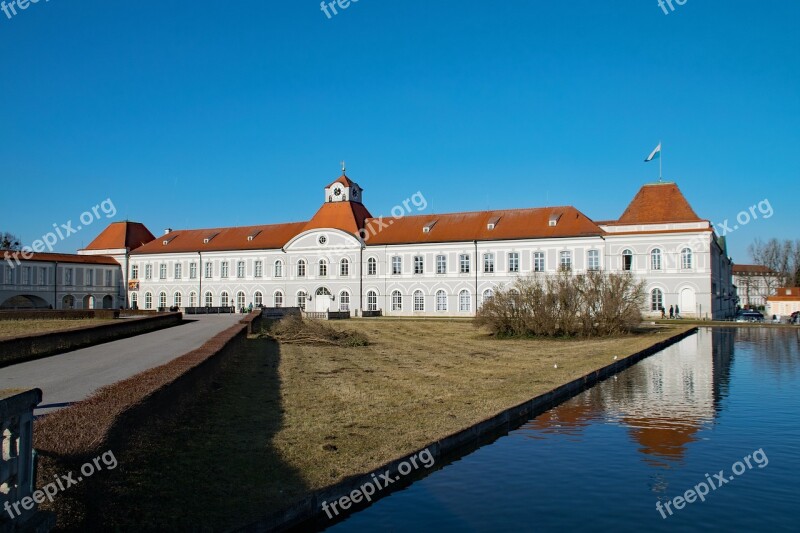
(323,239)
(337,191)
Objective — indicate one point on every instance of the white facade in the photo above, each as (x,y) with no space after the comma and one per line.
(324,269)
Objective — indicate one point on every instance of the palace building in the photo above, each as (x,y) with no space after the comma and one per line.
(344,259)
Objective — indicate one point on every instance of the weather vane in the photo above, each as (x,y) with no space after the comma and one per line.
(344,169)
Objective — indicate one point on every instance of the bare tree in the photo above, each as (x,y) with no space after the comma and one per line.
(9,241)
(782,257)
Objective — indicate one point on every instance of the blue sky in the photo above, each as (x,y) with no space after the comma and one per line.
(204,114)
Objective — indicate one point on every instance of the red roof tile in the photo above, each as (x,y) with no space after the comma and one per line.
(344,180)
(60,258)
(269,237)
(119,235)
(752,269)
(657,203)
(346,216)
(459,227)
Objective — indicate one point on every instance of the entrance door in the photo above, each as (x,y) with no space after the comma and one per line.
(322,300)
(688,302)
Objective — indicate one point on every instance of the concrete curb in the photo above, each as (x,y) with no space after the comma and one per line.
(309,508)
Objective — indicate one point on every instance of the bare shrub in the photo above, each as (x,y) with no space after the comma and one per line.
(565,305)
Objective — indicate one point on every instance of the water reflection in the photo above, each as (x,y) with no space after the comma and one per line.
(663,401)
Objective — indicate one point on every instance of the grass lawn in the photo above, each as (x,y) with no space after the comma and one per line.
(281,420)
(16,328)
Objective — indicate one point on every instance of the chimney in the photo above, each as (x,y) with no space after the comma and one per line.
(167,231)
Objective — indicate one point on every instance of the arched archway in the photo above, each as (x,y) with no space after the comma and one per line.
(88,302)
(322,300)
(25,301)
(108,301)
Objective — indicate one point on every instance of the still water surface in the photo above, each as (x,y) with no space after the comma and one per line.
(602,460)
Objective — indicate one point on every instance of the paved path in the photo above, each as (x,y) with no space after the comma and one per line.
(73,376)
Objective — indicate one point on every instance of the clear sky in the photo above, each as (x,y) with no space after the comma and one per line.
(208,114)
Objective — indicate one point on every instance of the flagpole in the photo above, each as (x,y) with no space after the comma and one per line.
(660,162)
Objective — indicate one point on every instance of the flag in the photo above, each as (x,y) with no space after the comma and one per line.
(654,154)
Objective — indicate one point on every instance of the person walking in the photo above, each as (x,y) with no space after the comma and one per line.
(677,311)
(671,312)
(663,313)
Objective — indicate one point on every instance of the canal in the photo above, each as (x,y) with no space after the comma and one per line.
(722,400)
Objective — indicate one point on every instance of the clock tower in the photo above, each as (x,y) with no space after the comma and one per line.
(343,190)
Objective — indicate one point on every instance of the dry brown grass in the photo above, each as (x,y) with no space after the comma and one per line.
(283,422)
(18,328)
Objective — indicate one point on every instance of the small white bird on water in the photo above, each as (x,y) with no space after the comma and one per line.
(555,366)
(615,358)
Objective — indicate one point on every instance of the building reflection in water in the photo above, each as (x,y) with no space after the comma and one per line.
(663,401)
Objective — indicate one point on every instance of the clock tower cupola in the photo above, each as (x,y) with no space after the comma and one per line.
(343,190)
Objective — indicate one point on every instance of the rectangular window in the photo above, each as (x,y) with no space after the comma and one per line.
(464,263)
(192,273)
(397,265)
(224,270)
(162,271)
(259,269)
(566,260)
(441,264)
(488,263)
(26,275)
(538,262)
(178,270)
(209,269)
(42,276)
(89,277)
(67,276)
(419,264)
(344,268)
(240,269)
(513,262)
(148,272)
(134,272)
(593,260)
(109,278)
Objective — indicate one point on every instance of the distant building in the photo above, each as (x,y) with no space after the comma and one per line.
(784,302)
(344,259)
(755,283)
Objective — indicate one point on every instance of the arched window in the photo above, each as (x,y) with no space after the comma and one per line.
(278,298)
(397,301)
(301,268)
(162,299)
(240,300)
(278,268)
(372,301)
(656,300)
(687,259)
(419,301)
(258,299)
(323,268)
(148,300)
(344,301)
(488,294)
(301,300)
(224,299)
(192,299)
(69,301)
(627,260)
(655,259)
(372,267)
(177,299)
(464,301)
(441,300)
(209,299)
(344,268)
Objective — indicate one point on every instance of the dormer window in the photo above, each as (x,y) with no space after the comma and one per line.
(429,226)
(253,235)
(554,218)
(210,238)
(492,223)
(169,240)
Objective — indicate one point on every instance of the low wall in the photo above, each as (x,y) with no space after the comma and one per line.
(29,347)
(68,314)
(305,512)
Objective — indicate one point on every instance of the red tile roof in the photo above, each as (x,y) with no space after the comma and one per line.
(786,294)
(60,258)
(510,224)
(346,216)
(344,180)
(119,235)
(752,269)
(658,203)
(269,237)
